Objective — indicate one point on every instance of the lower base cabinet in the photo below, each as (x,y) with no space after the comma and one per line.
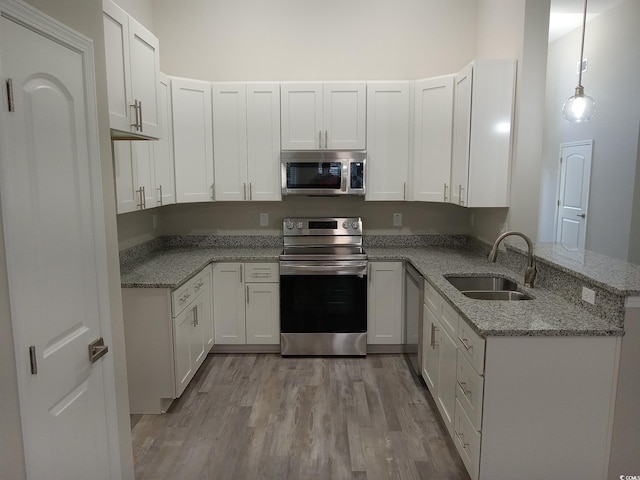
(523,407)
(167,337)
(384,298)
(246,303)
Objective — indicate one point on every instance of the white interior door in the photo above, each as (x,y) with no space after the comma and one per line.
(573,193)
(49,182)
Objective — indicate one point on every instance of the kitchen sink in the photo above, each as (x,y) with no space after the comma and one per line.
(490,287)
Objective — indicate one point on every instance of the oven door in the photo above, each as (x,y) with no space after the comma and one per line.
(323,297)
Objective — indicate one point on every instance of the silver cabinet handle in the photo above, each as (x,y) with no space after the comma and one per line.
(466,345)
(404,194)
(241,274)
(461,438)
(140,193)
(250,192)
(11,104)
(135,112)
(244,191)
(462,387)
(195,316)
(320,139)
(445,191)
(97,349)
(434,329)
(140,109)
(326,139)
(247,294)
(144,198)
(460,200)
(159,189)
(213,192)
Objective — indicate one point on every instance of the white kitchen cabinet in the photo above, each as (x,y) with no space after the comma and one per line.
(246,303)
(388,138)
(133,75)
(317,116)
(384,311)
(165,182)
(192,140)
(433,133)
(482,135)
(167,337)
(134,174)
(246,141)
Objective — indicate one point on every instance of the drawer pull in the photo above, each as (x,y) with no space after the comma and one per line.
(466,345)
(461,439)
(434,329)
(198,285)
(464,390)
(183,297)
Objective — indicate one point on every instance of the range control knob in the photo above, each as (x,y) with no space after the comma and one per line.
(300,225)
(355,225)
(345,224)
(289,225)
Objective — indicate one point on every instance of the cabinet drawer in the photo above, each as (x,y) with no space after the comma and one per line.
(201,282)
(469,390)
(472,346)
(180,298)
(467,441)
(432,299)
(449,319)
(261,272)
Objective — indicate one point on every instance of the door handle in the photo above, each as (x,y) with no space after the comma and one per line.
(582,215)
(97,349)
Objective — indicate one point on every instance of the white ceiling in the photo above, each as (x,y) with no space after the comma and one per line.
(567,14)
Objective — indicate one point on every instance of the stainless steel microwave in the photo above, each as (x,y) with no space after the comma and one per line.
(323,173)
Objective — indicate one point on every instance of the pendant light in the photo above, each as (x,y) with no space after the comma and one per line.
(580,107)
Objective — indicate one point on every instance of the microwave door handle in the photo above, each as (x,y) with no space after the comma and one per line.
(345,177)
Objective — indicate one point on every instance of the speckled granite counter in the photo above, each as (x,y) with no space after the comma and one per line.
(546,315)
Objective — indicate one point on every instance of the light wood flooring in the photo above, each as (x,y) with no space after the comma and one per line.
(247,416)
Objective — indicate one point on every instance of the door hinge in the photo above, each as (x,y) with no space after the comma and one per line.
(11,104)
(33,361)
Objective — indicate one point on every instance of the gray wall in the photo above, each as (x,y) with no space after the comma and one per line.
(611,47)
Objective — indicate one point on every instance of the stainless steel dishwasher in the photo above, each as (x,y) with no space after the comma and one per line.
(413,307)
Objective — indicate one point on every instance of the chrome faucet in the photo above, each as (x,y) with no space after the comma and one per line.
(530,272)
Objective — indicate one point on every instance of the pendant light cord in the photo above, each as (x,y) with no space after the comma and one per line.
(584,26)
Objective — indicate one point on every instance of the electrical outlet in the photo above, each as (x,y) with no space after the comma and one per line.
(588,295)
(397,219)
(264,219)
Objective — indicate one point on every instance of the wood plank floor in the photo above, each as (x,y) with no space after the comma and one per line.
(247,416)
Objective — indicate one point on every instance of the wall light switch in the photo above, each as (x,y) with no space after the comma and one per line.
(588,295)
(264,219)
(397,219)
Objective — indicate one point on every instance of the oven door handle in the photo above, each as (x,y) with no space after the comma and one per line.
(323,268)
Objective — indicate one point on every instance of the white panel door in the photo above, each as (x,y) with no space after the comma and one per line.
(345,115)
(433,139)
(301,114)
(192,140)
(145,76)
(263,141)
(163,149)
(263,313)
(573,195)
(56,253)
(228,303)
(387,140)
(230,141)
(461,136)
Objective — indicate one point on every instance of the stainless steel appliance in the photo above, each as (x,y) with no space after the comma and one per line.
(323,287)
(413,308)
(323,173)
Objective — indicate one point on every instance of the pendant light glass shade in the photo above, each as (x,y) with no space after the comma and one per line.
(580,107)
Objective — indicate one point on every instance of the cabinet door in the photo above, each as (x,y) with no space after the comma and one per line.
(165,193)
(461,136)
(263,141)
(145,76)
(202,286)
(184,367)
(432,139)
(263,313)
(116,39)
(430,351)
(230,141)
(192,140)
(126,179)
(446,392)
(345,116)
(198,333)
(384,316)
(228,303)
(387,140)
(143,159)
(301,114)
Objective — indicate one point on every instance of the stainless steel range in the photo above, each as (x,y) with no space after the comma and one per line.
(323,287)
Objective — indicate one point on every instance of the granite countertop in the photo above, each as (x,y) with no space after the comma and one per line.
(546,315)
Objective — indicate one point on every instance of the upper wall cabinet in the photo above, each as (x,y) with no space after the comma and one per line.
(192,140)
(432,139)
(318,116)
(133,72)
(388,115)
(163,148)
(483,120)
(246,141)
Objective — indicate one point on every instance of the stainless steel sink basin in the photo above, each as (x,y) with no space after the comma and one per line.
(489,287)
(492,283)
(496,295)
